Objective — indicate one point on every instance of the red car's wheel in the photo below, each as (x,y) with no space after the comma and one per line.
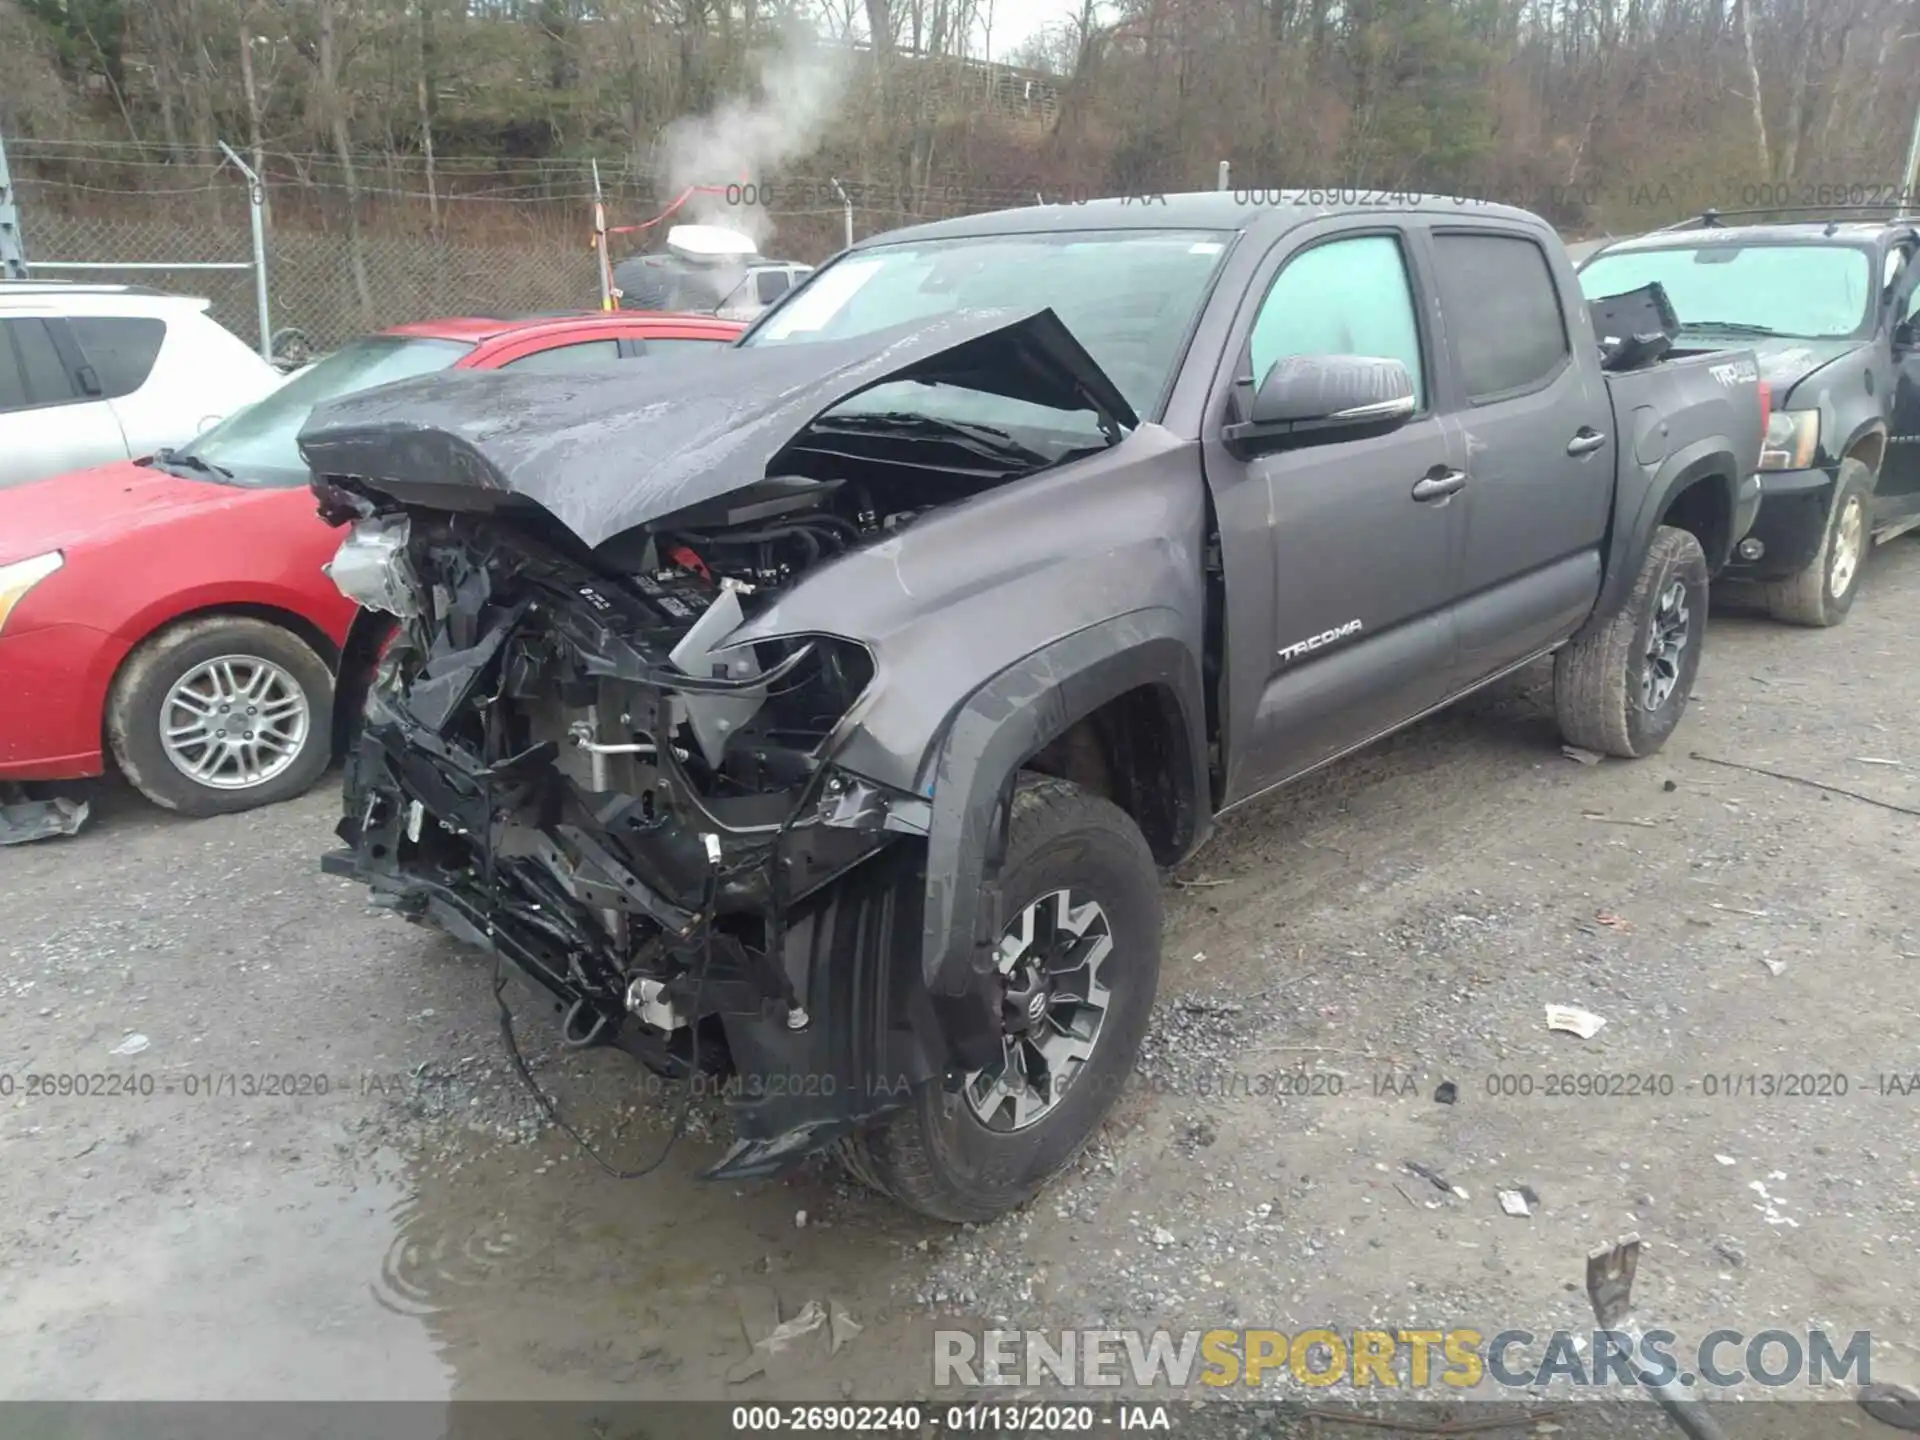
(221,714)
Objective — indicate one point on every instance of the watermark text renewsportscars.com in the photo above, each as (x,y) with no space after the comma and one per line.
(1402,1359)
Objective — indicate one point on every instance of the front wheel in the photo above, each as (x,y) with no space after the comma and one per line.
(1078,965)
(1622,688)
(1822,593)
(221,714)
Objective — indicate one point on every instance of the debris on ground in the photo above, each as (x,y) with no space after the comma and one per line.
(41,819)
(1210,1007)
(1514,1203)
(132,1045)
(1619,820)
(841,1326)
(1574,1021)
(774,1341)
(1774,967)
(1730,1250)
(1434,1178)
(1610,920)
(1584,757)
(1446,1092)
(1894,1405)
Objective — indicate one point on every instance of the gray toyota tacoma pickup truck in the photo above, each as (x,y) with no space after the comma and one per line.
(814,719)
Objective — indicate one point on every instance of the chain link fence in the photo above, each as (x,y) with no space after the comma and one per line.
(504,244)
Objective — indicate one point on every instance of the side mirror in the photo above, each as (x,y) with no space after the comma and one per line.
(1904,337)
(1312,399)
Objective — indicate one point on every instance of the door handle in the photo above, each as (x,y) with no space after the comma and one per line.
(1439,483)
(1585,441)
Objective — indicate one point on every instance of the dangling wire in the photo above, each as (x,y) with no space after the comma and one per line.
(546,1103)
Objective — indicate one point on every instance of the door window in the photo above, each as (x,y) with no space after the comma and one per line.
(772,284)
(582,355)
(31,372)
(1503,313)
(1346,297)
(120,348)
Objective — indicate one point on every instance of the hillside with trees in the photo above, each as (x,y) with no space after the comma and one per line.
(473,121)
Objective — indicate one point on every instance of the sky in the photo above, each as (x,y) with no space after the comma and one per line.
(1015,21)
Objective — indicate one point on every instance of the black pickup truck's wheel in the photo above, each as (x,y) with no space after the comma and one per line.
(1822,593)
(1079,963)
(1622,689)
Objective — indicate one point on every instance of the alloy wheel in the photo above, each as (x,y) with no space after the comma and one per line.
(1666,643)
(234,722)
(1053,1009)
(1848,547)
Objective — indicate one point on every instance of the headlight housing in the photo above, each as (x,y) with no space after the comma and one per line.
(371,567)
(21,576)
(1792,438)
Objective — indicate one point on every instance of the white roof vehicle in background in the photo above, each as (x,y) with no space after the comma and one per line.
(95,373)
(706,269)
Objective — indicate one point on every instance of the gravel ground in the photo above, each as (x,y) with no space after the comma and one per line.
(329,1181)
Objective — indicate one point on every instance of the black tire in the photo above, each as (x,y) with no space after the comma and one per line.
(139,696)
(935,1155)
(1810,597)
(1600,681)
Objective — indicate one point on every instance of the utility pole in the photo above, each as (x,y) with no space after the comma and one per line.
(1906,197)
(13,250)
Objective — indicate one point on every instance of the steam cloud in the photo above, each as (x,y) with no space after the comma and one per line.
(746,138)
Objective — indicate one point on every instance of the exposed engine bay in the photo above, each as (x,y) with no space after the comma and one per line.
(568,757)
(630,811)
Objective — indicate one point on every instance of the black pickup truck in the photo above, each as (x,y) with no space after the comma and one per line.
(1829,305)
(819,714)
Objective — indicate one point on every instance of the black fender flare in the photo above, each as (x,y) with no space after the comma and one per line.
(1709,458)
(1870,426)
(969,771)
(355,673)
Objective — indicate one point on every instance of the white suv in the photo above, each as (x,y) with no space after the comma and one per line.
(95,373)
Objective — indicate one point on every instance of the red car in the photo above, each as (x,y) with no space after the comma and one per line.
(172,610)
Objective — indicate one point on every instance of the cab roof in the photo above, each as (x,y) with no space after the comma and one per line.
(1813,230)
(1271,210)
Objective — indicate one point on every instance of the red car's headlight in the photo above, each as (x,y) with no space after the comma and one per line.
(21,576)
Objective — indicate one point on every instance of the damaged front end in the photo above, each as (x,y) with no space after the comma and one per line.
(566,770)
(568,758)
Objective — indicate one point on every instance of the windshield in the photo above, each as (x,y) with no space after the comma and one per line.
(256,445)
(1128,296)
(1805,292)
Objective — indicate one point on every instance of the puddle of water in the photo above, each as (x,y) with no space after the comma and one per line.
(473,1276)
(262,1296)
(571,1285)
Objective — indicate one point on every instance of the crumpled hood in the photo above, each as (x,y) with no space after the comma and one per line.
(609,449)
(1785,363)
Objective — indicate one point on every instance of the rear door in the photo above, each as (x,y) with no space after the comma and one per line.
(1339,579)
(1535,426)
(51,417)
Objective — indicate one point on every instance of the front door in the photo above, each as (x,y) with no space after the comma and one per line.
(1338,579)
(1899,489)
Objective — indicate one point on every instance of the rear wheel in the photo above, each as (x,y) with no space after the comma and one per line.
(1622,688)
(1078,962)
(1821,594)
(221,714)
